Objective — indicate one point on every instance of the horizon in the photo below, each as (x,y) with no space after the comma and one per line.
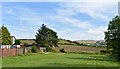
(71,20)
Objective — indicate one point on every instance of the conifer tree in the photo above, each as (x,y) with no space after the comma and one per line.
(6,38)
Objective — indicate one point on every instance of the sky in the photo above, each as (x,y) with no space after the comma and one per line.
(71,20)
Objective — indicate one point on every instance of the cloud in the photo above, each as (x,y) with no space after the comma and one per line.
(94,9)
(96,33)
(63,22)
(70,21)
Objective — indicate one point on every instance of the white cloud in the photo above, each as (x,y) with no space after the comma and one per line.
(94,9)
(90,34)
(70,21)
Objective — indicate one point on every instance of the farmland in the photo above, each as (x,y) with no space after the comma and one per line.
(60,60)
(75,48)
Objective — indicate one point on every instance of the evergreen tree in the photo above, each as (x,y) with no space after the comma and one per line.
(112,37)
(46,37)
(6,38)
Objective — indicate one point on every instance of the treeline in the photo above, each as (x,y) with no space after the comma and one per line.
(72,42)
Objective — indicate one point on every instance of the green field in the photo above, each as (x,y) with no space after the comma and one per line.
(60,60)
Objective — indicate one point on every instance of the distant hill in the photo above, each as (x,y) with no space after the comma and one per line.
(61,41)
(91,42)
(65,42)
(28,41)
(86,41)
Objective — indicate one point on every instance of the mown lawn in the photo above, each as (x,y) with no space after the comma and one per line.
(60,60)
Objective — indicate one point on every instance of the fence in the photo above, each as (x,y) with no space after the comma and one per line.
(13,51)
(9,52)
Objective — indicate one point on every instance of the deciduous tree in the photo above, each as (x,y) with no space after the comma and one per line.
(112,37)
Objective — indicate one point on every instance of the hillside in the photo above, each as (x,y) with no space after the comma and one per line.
(28,41)
(87,41)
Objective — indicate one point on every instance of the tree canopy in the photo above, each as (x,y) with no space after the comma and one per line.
(17,42)
(112,37)
(46,36)
(6,37)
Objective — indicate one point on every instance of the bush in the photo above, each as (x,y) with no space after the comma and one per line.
(105,51)
(20,54)
(34,49)
(62,50)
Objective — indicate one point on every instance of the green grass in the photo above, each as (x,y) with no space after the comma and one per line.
(60,60)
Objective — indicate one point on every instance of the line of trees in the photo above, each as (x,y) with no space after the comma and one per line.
(112,37)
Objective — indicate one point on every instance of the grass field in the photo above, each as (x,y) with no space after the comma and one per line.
(75,48)
(60,60)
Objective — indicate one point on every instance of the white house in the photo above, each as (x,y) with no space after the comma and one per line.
(13,38)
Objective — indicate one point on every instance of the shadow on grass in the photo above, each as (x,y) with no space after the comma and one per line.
(69,65)
(95,58)
(86,66)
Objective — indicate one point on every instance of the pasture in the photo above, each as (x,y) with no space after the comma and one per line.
(60,60)
(80,49)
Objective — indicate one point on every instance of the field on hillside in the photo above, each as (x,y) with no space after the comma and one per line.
(75,48)
(28,41)
(91,42)
(60,60)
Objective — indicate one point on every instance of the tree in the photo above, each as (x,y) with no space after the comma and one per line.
(6,38)
(17,42)
(112,37)
(46,37)
(0,36)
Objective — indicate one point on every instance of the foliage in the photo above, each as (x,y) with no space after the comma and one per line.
(46,37)
(112,37)
(6,38)
(0,36)
(34,49)
(25,44)
(62,50)
(17,42)
(105,51)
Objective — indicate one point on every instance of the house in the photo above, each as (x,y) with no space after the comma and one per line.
(13,39)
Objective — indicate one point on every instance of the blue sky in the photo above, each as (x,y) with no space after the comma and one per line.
(71,20)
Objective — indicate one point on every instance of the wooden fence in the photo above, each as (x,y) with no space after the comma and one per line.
(5,52)
(9,52)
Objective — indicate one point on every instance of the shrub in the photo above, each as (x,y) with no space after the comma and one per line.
(20,54)
(17,42)
(62,50)
(105,51)
(34,49)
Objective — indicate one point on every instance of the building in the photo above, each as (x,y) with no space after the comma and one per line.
(13,38)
